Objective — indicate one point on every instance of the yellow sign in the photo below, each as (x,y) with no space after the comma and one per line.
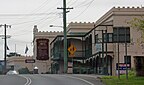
(72,50)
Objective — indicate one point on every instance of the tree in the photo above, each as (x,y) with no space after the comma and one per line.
(138,24)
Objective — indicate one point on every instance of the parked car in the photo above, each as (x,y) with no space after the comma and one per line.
(12,72)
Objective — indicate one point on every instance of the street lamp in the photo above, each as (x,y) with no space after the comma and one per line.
(3,36)
(55,26)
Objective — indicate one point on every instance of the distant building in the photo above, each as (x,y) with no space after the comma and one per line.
(19,62)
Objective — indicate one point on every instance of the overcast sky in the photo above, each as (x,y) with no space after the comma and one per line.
(22,15)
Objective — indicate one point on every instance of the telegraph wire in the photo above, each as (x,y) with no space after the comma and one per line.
(83,10)
(80,4)
(30,21)
(33,10)
(44,18)
(41,6)
(83,5)
(38,8)
(72,3)
(35,14)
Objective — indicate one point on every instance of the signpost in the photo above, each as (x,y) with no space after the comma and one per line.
(72,49)
(122,67)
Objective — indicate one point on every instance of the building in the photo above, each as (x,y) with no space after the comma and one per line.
(112,40)
(19,62)
(41,41)
(122,43)
(73,28)
(94,47)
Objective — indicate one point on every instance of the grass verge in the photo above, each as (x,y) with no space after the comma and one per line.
(132,80)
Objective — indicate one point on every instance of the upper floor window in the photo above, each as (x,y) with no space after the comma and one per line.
(108,37)
(121,34)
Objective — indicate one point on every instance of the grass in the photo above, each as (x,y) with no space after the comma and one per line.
(132,80)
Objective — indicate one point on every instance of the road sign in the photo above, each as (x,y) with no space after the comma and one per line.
(30,61)
(122,66)
(72,49)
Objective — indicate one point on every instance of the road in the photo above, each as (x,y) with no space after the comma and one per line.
(49,79)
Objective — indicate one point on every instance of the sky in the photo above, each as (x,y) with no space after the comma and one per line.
(22,15)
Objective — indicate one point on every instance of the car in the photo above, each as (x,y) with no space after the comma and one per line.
(12,72)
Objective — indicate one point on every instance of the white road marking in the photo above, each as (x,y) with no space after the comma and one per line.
(28,80)
(80,79)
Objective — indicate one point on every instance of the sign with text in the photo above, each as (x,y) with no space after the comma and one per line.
(42,49)
(30,61)
(122,66)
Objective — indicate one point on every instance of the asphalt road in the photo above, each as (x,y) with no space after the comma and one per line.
(49,79)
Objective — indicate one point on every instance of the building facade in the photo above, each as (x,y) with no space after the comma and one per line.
(19,62)
(73,28)
(121,42)
(110,47)
(104,47)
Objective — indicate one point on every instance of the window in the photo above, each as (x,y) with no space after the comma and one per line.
(128,59)
(96,38)
(121,34)
(108,37)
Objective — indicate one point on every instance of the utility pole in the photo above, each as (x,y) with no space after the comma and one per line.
(5,47)
(126,53)
(65,35)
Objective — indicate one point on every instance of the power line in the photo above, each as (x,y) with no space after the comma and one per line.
(35,14)
(73,3)
(30,21)
(82,3)
(41,6)
(83,10)
(38,9)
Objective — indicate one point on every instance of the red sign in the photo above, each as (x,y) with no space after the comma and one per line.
(42,49)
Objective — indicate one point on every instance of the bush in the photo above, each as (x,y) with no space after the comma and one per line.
(132,72)
(24,71)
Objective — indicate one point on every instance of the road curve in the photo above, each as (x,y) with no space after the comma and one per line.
(48,79)
(54,79)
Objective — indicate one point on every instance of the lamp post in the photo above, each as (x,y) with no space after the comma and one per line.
(55,26)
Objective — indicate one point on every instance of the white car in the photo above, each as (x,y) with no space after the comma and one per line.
(12,72)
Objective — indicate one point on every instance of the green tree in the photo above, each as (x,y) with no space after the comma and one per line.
(138,23)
